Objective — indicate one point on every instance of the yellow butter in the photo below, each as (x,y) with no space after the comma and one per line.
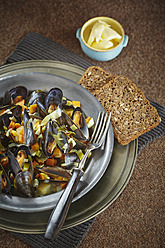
(103,44)
(103,37)
(96,32)
(110,34)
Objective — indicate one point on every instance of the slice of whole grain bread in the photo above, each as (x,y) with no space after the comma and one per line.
(131,113)
(94,78)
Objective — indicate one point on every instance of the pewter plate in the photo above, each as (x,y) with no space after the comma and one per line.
(107,174)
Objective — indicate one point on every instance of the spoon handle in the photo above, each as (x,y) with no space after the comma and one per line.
(60,211)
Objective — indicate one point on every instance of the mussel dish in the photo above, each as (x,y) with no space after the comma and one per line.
(43,137)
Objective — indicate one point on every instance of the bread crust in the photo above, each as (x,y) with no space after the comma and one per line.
(131,112)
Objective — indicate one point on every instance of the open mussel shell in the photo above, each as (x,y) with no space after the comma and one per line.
(62,142)
(28,129)
(12,95)
(5,184)
(15,110)
(14,166)
(71,126)
(67,104)
(71,160)
(55,171)
(5,163)
(7,118)
(62,139)
(37,96)
(78,118)
(49,142)
(41,109)
(24,158)
(54,97)
(24,184)
(9,164)
(53,137)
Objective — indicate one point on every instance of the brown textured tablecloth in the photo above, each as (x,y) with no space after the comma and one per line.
(136,218)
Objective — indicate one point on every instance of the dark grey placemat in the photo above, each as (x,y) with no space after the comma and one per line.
(69,238)
(37,47)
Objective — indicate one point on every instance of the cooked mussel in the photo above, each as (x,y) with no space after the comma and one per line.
(15,95)
(55,172)
(15,170)
(67,103)
(49,142)
(5,184)
(24,158)
(28,129)
(78,118)
(53,99)
(41,109)
(37,96)
(61,138)
(24,183)
(71,126)
(14,110)
(53,137)
(71,160)
(8,118)
(10,165)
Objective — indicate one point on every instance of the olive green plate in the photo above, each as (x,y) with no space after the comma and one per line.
(96,196)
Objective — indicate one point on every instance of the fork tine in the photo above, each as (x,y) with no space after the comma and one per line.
(96,127)
(101,131)
(104,132)
(99,128)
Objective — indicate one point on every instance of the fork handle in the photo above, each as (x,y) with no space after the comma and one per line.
(59,213)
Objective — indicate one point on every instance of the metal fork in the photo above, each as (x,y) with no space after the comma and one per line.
(60,211)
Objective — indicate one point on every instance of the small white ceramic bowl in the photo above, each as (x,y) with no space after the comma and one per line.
(102,55)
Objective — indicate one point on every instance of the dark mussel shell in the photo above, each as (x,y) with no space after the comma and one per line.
(62,140)
(71,126)
(41,109)
(22,153)
(9,164)
(49,142)
(13,165)
(54,97)
(7,119)
(66,103)
(5,184)
(5,172)
(55,171)
(28,129)
(11,95)
(24,184)
(78,118)
(37,96)
(71,160)
(16,110)
(79,145)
